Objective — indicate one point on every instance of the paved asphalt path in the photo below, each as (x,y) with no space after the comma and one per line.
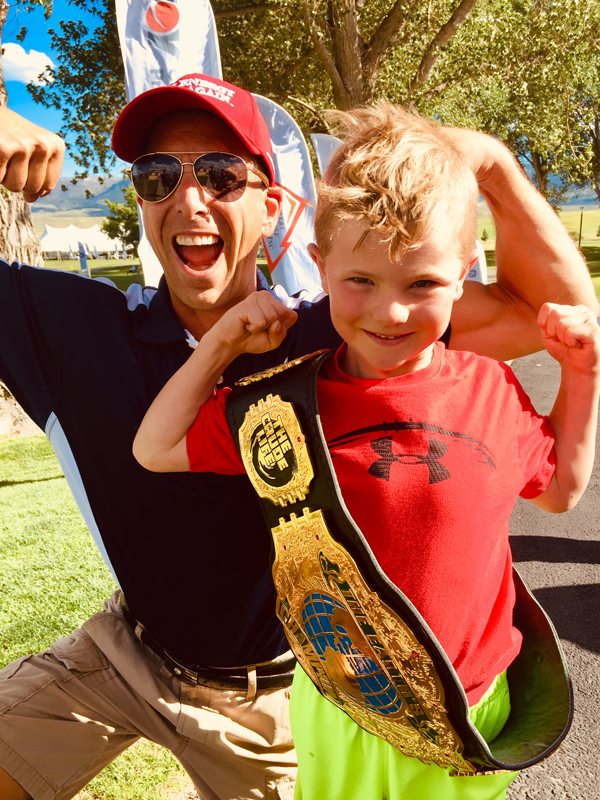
(558,556)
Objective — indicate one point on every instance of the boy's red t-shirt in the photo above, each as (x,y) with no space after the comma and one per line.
(430,465)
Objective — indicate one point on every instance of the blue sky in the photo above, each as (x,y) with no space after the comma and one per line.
(23,62)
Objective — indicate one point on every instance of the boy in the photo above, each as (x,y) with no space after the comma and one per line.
(394,230)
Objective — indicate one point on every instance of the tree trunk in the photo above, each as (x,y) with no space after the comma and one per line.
(595,137)
(18,241)
(13,420)
(540,166)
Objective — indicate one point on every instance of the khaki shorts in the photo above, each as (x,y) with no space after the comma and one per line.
(68,712)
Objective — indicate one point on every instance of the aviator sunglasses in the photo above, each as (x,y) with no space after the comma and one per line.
(223,176)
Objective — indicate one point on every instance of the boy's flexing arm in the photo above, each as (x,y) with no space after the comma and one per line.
(572,337)
(537,259)
(257,324)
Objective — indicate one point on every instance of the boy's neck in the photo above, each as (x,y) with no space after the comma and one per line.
(355,365)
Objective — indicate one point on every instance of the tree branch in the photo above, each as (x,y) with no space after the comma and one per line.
(390,28)
(442,37)
(313,110)
(236,12)
(300,63)
(327,59)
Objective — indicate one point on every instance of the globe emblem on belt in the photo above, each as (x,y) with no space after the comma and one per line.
(273,455)
(344,651)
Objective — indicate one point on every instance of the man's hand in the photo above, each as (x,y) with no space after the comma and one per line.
(257,324)
(30,157)
(572,337)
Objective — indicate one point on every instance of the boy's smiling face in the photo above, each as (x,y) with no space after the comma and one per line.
(390,313)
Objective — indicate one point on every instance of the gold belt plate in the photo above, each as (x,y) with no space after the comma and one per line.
(356,649)
(274,453)
(360,654)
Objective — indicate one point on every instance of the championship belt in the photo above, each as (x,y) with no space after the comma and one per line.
(356,635)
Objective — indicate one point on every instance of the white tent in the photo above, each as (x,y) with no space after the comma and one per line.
(55,241)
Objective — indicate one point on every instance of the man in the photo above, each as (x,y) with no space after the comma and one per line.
(195,660)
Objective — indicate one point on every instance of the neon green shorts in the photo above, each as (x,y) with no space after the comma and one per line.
(338,760)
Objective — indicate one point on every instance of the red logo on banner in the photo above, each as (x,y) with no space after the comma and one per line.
(162,17)
(277,245)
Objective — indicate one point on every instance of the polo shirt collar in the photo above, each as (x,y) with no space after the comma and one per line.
(161,325)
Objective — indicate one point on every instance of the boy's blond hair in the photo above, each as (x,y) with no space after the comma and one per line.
(400,174)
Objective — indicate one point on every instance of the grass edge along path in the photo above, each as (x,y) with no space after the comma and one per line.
(52,578)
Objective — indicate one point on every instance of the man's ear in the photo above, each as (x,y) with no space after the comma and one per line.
(273,201)
(315,254)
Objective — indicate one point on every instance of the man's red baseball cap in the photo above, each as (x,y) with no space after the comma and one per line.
(234,105)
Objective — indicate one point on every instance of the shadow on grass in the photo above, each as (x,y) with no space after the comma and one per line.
(592,255)
(33,480)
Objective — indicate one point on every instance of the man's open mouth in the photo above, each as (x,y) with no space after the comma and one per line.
(198,251)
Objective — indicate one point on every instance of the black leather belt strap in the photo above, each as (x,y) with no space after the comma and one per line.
(274,675)
(540,690)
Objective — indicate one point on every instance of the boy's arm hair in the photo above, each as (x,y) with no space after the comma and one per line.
(536,258)
(572,337)
(257,324)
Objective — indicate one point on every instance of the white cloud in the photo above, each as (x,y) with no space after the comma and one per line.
(23,67)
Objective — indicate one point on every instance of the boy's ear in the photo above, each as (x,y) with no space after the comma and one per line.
(315,254)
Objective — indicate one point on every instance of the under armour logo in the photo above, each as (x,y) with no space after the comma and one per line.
(383,447)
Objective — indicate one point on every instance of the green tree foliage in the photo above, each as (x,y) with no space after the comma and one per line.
(524,70)
(88,85)
(484,235)
(585,164)
(528,94)
(122,221)
(18,240)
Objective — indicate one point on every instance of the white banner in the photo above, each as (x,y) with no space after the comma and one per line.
(160,42)
(325,146)
(478,270)
(288,259)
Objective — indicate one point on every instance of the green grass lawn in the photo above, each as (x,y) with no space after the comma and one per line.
(117,271)
(570,219)
(52,578)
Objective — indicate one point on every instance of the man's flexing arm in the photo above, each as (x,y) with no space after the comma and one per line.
(537,259)
(30,157)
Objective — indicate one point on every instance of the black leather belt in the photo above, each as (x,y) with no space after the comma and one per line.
(364,645)
(273,675)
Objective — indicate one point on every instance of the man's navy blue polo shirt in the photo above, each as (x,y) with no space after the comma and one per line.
(190,551)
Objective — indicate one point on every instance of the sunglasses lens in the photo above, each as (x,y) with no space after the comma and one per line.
(155,177)
(222,175)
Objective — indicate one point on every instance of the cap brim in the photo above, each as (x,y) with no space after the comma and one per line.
(135,121)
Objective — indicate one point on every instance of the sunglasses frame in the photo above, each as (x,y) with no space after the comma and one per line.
(250,166)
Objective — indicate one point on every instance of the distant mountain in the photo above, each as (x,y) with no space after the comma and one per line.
(74,199)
